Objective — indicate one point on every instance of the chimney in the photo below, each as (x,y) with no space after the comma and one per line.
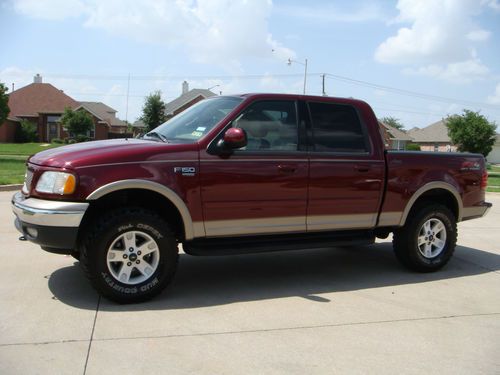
(37,78)
(185,87)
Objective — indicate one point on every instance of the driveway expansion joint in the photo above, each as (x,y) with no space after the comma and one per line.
(263,330)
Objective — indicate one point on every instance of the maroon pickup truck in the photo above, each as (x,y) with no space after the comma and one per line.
(238,174)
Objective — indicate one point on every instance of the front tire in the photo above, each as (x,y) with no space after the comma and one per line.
(129,255)
(428,239)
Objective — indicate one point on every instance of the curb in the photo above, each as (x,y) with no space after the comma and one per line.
(12,187)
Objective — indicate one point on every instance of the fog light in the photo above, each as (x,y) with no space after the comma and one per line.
(32,232)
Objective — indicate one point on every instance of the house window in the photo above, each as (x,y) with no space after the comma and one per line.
(91,132)
(436,147)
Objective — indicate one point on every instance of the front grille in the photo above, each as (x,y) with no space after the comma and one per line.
(28,179)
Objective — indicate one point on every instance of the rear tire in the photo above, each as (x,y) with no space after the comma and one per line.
(129,255)
(428,239)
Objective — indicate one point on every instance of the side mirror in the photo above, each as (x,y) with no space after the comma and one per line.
(234,138)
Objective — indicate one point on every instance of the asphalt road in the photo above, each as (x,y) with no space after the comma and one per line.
(303,312)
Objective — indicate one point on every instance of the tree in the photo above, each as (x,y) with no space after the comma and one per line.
(4,100)
(471,132)
(153,111)
(394,122)
(78,123)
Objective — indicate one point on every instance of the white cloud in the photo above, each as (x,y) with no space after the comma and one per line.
(439,40)
(56,10)
(493,4)
(438,32)
(495,98)
(329,13)
(459,72)
(478,35)
(221,32)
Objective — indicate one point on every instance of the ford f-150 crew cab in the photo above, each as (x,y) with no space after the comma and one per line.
(247,173)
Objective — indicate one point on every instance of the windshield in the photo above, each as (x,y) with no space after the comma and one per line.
(196,121)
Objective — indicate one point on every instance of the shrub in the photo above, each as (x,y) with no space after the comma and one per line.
(26,132)
(413,147)
(82,138)
(57,140)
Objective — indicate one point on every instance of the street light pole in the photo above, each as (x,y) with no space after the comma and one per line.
(290,61)
(305,76)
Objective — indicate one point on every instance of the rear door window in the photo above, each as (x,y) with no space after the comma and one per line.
(336,128)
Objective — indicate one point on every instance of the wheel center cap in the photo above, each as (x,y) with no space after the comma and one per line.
(132,257)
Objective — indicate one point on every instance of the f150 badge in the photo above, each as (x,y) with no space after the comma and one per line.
(185,171)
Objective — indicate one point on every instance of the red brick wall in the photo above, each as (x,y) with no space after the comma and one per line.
(101,131)
(8,131)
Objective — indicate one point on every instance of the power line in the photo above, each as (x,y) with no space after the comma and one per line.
(410,93)
(260,76)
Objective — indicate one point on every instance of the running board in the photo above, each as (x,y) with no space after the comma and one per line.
(282,242)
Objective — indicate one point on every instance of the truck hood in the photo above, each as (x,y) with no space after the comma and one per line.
(105,152)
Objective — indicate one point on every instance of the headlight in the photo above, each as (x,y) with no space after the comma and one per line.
(56,183)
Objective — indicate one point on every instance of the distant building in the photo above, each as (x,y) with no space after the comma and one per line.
(394,139)
(186,100)
(433,137)
(43,105)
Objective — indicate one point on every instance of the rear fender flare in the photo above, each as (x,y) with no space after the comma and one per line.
(432,186)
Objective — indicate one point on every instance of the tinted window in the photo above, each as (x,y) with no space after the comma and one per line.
(336,128)
(270,125)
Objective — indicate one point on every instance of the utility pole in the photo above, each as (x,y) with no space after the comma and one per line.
(323,84)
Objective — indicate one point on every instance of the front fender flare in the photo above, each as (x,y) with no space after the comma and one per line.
(191,230)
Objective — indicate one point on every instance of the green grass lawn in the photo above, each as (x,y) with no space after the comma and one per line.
(493,184)
(13,158)
(25,149)
(12,170)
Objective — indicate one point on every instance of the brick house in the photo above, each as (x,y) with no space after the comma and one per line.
(394,139)
(43,105)
(104,114)
(186,100)
(433,138)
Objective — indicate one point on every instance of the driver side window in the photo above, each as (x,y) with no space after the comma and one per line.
(270,126)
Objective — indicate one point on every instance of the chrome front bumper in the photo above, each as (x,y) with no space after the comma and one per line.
(48,213)
(51,224)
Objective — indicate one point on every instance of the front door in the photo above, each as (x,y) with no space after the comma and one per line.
(52,131)
(261,188)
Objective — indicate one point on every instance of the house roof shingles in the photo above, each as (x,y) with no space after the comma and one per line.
(434,133)
(189,96)
(39,98)
(396,134)
(103,112)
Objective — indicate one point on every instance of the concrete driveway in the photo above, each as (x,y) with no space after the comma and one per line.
(318,311)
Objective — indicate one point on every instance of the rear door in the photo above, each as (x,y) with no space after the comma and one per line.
(346,170)
(260,188)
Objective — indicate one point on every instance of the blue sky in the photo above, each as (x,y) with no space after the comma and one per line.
(387,53)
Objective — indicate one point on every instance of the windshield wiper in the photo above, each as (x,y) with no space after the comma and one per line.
(157,135)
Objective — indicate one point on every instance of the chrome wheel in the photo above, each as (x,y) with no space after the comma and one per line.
(432,238)
(133,257)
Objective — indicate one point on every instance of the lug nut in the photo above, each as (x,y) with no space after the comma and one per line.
(129,264)
(131,249)
(139,253)
(124,256)
(137,261)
